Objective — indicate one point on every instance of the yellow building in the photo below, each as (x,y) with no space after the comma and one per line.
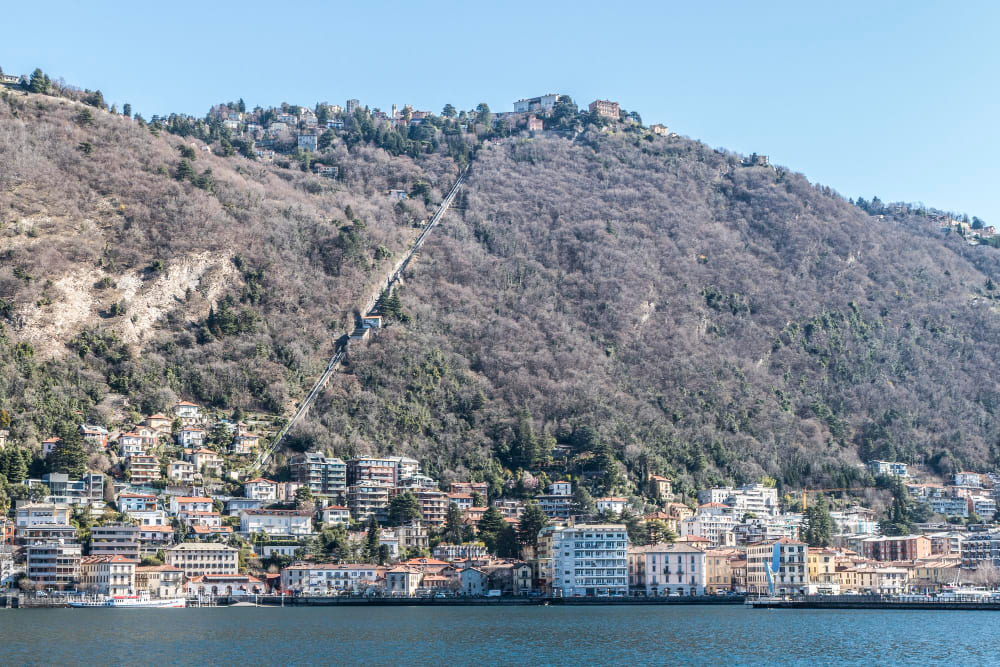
(719,569)
(823,566)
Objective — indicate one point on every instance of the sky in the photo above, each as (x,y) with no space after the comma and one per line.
(895,99)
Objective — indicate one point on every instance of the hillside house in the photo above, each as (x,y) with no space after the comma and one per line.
(307,142)
(543,103)
(97,435)
(143,469)
(136,502)
(206,460)
(245,443)
(191,437)
(605,109)
(130,444)
(181,471)
(159,423)
(189,413)
(296,523)
(661,487)
(189,504)
(261,489)
(333,515)
(660,130)
(49,445)
(147,435)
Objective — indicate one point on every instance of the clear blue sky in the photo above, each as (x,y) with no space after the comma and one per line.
(898,99)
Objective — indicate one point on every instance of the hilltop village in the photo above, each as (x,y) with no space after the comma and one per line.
(174,516)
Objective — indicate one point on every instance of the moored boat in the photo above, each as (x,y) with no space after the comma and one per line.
(123,601)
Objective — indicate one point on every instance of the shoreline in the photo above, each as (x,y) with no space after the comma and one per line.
(816,603)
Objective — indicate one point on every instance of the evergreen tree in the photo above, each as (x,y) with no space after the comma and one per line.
(605,461)
(371,541)
(492,521)
(453,524)
(38,83)
(404,509)
(68,456)
(524,448)
(819,524)
(14,465)
(657,531)
(583,502)
(506,544)
(448,111)
(127,110)
(242,106)
(185,171)
(532,521)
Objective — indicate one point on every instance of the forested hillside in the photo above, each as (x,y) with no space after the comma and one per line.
(601,302)
(136,264)
(652,301)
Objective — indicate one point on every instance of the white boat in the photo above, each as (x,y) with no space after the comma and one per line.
(143,601)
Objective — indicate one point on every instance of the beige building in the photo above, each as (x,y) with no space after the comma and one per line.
(403,581)
(880,580)
(719,569)
(605,109)
(666,569)
(199,558)
(160,581)
(108,575)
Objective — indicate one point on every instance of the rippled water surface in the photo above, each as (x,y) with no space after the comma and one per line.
(497,636)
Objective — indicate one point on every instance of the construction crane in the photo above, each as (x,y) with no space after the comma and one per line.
(806,492)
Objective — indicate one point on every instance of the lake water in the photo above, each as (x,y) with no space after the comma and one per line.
(637,635)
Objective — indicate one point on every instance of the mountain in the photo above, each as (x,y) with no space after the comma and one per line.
(601,301)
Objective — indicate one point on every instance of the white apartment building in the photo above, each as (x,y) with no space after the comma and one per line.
(276,522)
(589,560)
(664,569)
(325,577)
(715,527)
(792,575)
(41,514)
(888,469)
(261,489)
(755,499)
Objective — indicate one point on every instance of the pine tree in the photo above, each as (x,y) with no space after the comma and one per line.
(38,82)
(453,524)
(69,456)
(371,540)
(819,524)
(532,522)
(127,110)
(185,171)
(404,509)
(583,502)
(524,449)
